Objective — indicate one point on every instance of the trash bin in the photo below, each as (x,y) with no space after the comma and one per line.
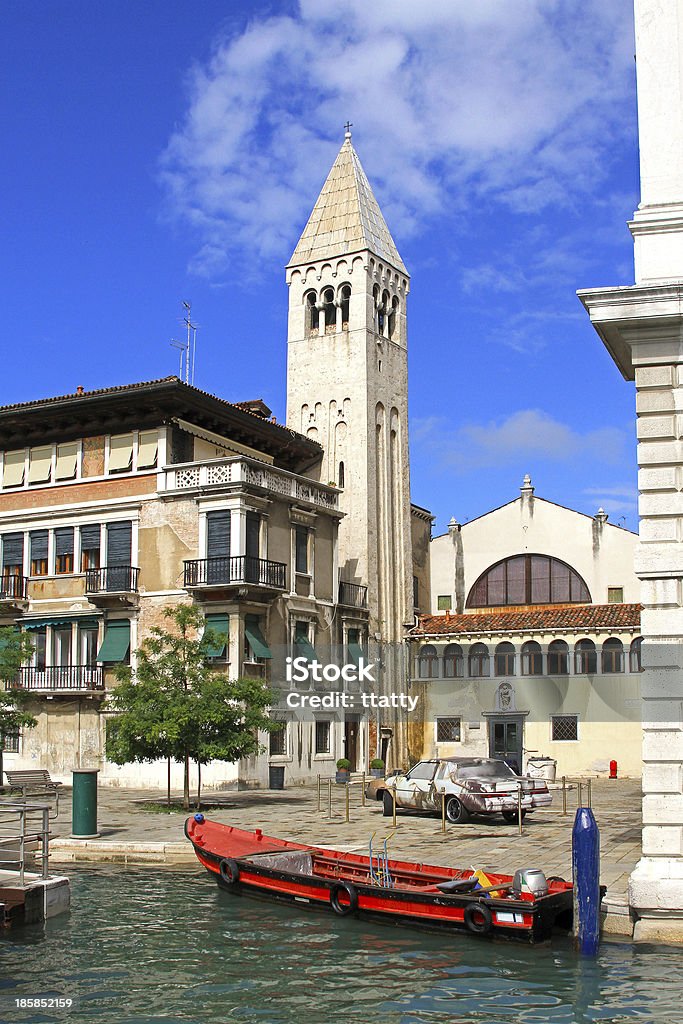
(542,768)
(84,804)
(276,776)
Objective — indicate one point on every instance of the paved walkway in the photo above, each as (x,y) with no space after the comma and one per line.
(125,818)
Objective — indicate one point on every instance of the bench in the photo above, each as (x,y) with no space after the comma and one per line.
(34,782)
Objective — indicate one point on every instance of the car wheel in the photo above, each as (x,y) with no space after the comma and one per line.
(455,812)
(512,817)
(387,804)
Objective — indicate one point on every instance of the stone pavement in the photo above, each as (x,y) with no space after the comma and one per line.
(133,833)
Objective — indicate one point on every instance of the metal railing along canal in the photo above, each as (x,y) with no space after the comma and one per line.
(24,827)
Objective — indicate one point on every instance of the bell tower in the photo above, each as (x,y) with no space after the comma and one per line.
(347,382)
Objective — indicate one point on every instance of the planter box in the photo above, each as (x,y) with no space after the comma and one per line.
(342,777)
(377,773)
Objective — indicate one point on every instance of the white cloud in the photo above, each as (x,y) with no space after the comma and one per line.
(517,102)
(529,434)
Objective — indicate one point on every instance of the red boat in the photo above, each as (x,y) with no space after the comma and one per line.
(374,887)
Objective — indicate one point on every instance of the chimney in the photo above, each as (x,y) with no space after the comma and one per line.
(79,390)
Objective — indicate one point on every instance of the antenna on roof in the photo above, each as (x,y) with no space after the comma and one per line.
(191,344)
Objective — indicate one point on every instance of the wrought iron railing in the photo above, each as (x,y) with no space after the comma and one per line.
(353,595)
(60,677)
(207,572)
(112,579)
(13,587)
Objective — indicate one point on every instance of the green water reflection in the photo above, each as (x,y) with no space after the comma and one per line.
(141,947)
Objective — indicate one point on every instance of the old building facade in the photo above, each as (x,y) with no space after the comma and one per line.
(533,645)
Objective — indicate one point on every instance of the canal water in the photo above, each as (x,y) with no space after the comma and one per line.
(141,946)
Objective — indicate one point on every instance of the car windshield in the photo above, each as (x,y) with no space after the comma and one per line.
(423,770)
(483,770)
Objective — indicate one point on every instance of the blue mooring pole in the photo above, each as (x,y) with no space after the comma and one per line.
(586,868)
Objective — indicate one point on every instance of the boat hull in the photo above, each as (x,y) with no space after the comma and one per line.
(250,864)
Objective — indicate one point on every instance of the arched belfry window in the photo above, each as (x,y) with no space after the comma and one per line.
(311,314)
(330,310)
(345,297)
(393,319)
(528,579)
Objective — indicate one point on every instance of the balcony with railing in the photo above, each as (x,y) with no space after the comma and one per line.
(13,590)
(114,584)
(218,473)
(234,570)
(60,679)
(353,595)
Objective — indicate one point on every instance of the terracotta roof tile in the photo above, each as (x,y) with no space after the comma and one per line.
(583,617)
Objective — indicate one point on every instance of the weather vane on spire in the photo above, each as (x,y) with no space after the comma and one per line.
(347,130)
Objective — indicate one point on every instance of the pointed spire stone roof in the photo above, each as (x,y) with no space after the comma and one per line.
(346,218)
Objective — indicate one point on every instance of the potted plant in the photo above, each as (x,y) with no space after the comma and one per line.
(377,768)
(343,770)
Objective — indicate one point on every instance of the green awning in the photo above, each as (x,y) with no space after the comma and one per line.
(218,624)
(65,620)
(355,653)
(116,641)
(304,648)
(258,645)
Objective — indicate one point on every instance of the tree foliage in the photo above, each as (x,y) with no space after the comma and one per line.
(15,649)
(177,705)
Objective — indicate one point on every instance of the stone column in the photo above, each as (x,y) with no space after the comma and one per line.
(642,326)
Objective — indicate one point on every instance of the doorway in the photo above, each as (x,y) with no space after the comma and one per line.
(351,729)
(506,740)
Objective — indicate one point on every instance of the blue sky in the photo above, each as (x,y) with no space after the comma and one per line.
(166,151)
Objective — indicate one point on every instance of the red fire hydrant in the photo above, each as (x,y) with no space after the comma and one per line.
(613,769)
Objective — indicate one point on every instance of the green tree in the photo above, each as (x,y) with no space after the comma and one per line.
(177,705)
(15,649)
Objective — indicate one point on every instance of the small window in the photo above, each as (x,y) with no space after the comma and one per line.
(121,453)
(278,741)
(427,663)
(532,659)
(301,546)
(40,465)
(585,657)
(322,737)
(615,595)
(478,662)
(66,465)
(443,603)
(504,660)
(613,655)
(635,655)
(64,550)
(38,545)
(9,741)
(340,481)
(90,547)
(148,444)
(448,730)
(330,310)
(393,319)
(452,661)
(565,728)
(311,314)
(558,658)
(416,592)
(13,469)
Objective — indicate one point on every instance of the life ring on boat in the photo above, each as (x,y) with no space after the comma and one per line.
(336,889)
(478,918)
(229,871)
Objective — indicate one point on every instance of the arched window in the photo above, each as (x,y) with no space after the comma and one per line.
(478,662)
(393,318)
(427,663)
(330,310)
(532,659)
(585,657)
(635,655)
(345,298)
(312,315)
(558,658)
(452,661)
(528,579)
(379,309)
(504,660)
(340,477)
(613,655)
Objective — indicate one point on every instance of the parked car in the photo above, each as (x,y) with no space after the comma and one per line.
(472,786)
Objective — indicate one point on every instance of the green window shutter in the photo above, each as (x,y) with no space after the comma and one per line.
(219,624)
(255,637)
(116,641)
